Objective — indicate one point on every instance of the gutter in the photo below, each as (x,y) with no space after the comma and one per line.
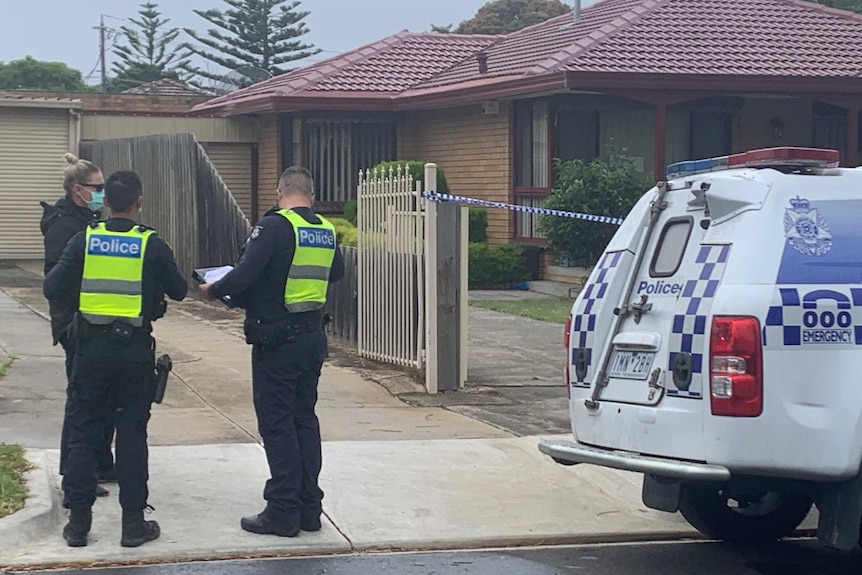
(439,97)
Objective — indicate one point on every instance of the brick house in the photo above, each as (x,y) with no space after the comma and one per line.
(663,80)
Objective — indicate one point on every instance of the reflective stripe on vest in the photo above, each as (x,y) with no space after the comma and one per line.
(308,278)
(112,283)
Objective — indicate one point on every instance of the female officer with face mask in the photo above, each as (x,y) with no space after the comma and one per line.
(84,185)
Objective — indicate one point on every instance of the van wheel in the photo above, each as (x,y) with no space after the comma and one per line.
(753,518)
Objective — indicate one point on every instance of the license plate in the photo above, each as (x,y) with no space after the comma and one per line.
(631,364)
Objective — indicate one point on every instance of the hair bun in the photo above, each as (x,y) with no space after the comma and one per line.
(71,158)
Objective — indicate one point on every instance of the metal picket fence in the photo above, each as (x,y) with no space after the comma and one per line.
(391,282)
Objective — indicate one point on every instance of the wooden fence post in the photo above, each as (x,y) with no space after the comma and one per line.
(431,325)
(444,370)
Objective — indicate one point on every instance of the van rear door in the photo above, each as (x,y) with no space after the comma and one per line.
(660,347)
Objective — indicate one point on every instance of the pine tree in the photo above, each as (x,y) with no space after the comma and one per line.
(148,53)
(853,5)
(251,34)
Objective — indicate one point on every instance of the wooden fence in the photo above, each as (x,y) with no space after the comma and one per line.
(190,206)
(341,301)
(185,199)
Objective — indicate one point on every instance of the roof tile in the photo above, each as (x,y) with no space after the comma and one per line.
(735,37)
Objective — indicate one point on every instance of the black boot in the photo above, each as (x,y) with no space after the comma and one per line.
(76,530)
(310,523)
(262,525)
(136,531)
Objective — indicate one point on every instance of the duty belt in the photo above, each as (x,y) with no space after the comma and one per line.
(82,330)
(278,333)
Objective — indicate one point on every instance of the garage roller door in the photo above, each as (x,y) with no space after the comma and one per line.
(32,144)
(234,164)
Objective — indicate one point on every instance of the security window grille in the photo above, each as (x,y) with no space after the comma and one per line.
(337,150)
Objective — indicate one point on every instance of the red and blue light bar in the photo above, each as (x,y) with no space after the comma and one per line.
(763,158)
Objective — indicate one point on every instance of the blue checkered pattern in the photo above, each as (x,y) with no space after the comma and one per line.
(688,333)
(586,316)
(785,322)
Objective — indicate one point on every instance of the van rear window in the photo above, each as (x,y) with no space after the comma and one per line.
(671,247)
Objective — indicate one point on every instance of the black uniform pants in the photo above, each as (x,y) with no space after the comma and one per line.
(105,456)
(109,377)
(284,382)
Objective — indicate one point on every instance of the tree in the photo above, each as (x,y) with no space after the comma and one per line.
(601,188)
(852,5)
(32,74)
(504,16)
(256,34)
(148,53)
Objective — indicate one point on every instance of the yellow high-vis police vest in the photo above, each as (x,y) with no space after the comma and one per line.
(308,277)
(112,283)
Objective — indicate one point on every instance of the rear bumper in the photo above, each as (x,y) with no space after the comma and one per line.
(572,452)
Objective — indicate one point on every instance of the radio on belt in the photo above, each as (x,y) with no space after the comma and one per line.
(716,347)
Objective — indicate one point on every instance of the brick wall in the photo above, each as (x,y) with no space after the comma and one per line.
(269,158)
(143,104)
(474,151)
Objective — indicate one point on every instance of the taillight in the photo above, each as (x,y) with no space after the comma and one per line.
(736,366)
(567,338)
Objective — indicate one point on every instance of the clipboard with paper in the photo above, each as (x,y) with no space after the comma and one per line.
(213,274)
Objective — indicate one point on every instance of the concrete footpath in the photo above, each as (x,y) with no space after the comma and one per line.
(396,477)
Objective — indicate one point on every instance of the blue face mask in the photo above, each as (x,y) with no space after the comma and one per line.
(97,202)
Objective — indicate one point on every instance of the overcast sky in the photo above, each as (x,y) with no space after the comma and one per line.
(63,30)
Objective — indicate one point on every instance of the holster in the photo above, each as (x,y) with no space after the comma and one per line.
(163,367)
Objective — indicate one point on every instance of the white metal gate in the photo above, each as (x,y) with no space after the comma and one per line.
(391,252)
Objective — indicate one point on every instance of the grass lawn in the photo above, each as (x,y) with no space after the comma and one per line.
(5,365)
(12,490)
(555,310)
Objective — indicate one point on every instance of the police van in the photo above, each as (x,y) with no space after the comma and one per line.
(717,347)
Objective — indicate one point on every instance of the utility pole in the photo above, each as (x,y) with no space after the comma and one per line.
(102,51)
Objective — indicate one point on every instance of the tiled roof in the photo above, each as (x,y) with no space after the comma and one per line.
(739,38)
(392,65)
(732,37)
(542,47)
(167,87)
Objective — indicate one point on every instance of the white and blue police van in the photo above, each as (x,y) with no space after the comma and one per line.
(716,347)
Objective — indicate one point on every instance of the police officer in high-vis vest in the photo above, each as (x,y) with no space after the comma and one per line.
(281,280)
(122,271)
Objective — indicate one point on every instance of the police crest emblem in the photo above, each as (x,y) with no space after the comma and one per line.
(805,228)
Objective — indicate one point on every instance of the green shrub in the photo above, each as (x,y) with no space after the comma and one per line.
(345,232)
(495,267)
(350,211)
(608,189)
(348,238)
(417,170)
(478,225)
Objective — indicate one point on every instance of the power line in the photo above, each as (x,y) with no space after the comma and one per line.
(105,33)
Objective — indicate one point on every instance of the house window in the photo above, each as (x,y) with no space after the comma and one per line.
(532,163)
(526,224)
(532,150)
(710,135)
(337,150)
(577,135)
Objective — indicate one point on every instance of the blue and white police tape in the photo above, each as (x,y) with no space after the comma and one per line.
(438,197)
